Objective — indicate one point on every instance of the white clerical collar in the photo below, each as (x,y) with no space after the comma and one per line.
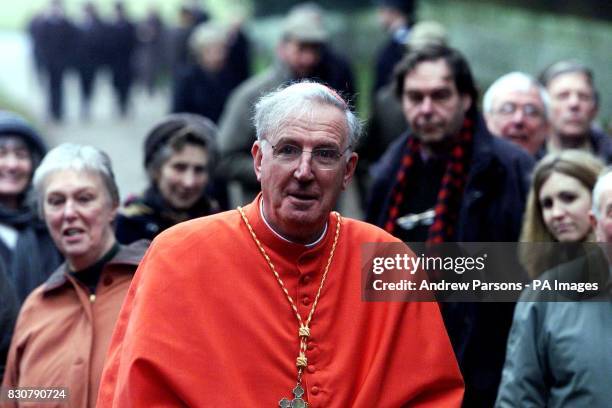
(263,217)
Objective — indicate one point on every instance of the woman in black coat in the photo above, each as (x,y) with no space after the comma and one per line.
(179,156)
(25,246)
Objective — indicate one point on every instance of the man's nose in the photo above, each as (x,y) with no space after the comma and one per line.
(573,100)
(303,171)
(309,58)
(518,117)
(426,105)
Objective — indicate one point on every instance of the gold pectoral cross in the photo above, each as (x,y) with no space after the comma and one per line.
(297,402)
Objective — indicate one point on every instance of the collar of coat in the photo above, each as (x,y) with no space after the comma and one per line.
(129,255)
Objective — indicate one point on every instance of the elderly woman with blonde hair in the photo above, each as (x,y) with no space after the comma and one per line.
(64,327)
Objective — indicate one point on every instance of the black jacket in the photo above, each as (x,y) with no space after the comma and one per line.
(145,217)
(491,211)
(600,142)
(34,256)
(201,92)
(494,198)
(390,54)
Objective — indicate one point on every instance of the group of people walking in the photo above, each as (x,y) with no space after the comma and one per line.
(87,47)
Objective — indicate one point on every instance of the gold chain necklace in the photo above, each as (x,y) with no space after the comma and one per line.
(304,329)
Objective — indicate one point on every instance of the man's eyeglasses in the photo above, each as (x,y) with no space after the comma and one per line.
(529,109)
(324,158)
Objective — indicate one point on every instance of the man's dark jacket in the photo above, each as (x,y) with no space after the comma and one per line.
(600,142)
(494,198)
(491,211)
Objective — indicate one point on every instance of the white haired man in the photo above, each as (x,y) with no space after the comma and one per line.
(214,315)
(515,108)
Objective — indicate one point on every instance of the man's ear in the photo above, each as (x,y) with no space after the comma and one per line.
(349,170)
(257,154)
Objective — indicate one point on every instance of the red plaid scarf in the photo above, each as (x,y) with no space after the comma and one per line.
(451,190)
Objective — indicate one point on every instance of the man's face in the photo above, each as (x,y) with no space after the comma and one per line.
(298,195)
(519,116)
(431,103)
(301,57)
(603,226)
(390,19)
(572,105)
(212,57)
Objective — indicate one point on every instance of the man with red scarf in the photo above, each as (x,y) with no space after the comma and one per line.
(450,180)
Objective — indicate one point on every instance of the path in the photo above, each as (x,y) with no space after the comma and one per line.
(122,139)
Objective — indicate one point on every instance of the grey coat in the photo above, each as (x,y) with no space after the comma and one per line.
(236,130)
(560,346)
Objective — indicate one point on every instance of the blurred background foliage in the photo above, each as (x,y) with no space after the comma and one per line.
(497,36)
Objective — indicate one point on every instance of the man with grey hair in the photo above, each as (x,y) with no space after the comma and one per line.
(515,108)
(265,301)
(574,104)
(302,52)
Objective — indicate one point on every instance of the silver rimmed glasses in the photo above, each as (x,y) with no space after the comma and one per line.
(324,158)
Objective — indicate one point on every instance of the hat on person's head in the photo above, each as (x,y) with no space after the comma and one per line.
(12,124)
(205,34)
(406,7)
(174,124)
(427,32)
(304,27)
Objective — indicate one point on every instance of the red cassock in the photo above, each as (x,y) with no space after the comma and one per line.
(206,324)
